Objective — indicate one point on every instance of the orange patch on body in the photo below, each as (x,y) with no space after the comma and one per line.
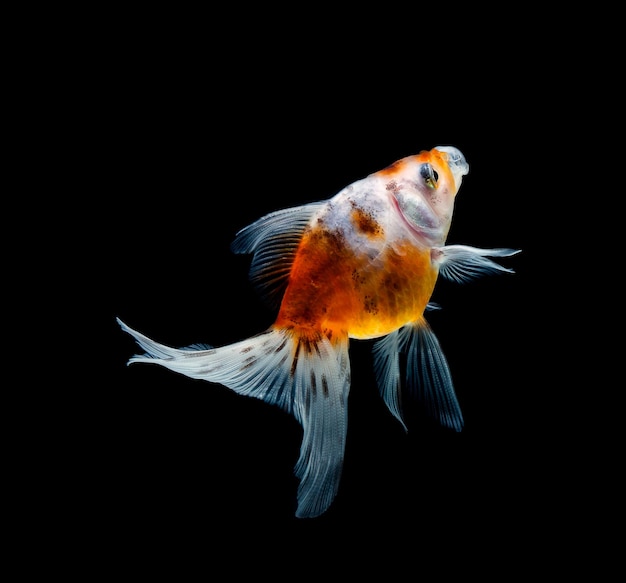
(392,169)
(439,161)
(332,288)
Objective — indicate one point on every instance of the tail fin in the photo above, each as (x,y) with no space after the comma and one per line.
(305,374)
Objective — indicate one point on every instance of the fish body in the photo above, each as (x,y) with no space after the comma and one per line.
(362,264)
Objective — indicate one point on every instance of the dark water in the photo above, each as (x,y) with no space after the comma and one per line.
(170,465)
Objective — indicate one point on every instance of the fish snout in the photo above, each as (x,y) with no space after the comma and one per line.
(456,162)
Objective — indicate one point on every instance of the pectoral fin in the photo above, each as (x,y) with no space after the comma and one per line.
(461,263)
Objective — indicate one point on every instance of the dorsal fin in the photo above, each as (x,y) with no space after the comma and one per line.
(274,239)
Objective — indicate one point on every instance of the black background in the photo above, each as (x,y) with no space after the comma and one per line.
(183,452)
(181,141)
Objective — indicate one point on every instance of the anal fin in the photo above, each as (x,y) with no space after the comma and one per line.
(427,373)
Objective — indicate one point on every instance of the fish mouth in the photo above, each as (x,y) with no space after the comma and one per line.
(456,162)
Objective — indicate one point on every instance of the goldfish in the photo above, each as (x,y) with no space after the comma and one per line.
(362,264)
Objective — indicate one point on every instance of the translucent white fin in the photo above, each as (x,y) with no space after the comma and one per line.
(386,353)
(461,263)
(427,373)
(274,240)
(308,378)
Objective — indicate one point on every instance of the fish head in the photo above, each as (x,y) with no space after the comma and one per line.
(423,188)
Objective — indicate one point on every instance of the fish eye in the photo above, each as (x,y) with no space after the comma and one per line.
(429,175)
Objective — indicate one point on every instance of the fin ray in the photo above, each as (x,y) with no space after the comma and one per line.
(462,263)
(274,239)
(307,376)
(386,352)
(427,373)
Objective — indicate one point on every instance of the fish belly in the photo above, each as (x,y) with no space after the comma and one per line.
(358,296)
